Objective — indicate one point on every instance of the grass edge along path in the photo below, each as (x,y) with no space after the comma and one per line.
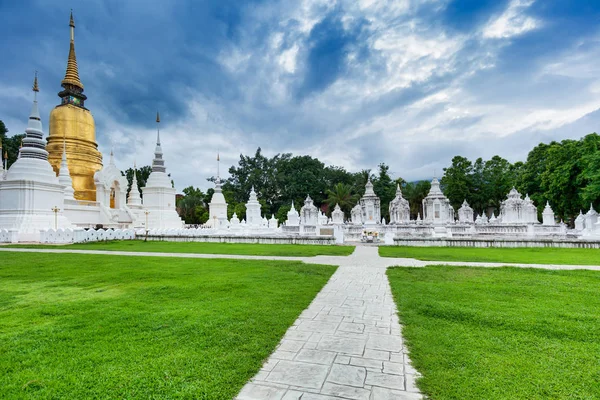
(521,255)
(101,326)
(244,249)
(501,333)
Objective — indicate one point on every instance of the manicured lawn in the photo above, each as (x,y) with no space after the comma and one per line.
(290,250)
(501,333)
(508,255)
(97,326)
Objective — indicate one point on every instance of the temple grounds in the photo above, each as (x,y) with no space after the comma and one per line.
(521,255)
(287,250)
(501,333)
(97,326)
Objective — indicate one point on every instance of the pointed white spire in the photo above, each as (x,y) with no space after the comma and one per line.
(64,176)
(33,145)
(134,198)
(158,164)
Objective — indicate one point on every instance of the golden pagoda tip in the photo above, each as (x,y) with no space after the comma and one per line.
(36,88)
(157,117)
(71,20)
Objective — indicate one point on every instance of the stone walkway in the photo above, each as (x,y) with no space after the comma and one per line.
(346,345)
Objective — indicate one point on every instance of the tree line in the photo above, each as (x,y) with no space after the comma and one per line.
(566,174)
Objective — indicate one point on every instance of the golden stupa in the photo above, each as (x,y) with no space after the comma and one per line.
(72,123)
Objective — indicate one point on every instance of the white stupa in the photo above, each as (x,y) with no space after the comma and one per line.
(293,218)
(253,217)
(337,215)
(32,198)
(217,207)
(399,208)
(159,194)
(309,214)
(370,205)
(134,199)
(64,176)
(436,206)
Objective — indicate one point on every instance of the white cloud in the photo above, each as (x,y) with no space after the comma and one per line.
(512,22)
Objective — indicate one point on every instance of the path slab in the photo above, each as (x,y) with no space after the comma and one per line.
(354,332)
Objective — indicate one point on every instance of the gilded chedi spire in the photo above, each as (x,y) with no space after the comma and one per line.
(72,74)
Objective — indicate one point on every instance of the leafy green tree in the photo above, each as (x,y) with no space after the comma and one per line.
(342,194)
(10,145)
(192,207)
(142,175)
(3,130)
(385,188)
(282,213)
(457,181)
(498,181)
(415,192)
(298,177)
(240,210)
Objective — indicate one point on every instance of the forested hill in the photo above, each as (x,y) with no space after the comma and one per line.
(566,174)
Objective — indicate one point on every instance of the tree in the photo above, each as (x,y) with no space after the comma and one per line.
(281,214)
(342,194)
(10,145)
(192,207)
(385,188)
(142,175)
(497,179)
(457,181)
(415,192)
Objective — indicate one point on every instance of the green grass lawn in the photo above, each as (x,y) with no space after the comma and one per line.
(534,255)
(99,326)
(290,250)
(501,333)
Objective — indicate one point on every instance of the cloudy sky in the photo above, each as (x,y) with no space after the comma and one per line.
(354,83)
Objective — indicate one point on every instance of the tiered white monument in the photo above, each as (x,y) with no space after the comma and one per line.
(253,217)
(370,206)
(548,215)
(309,213)
(159,193)
(64,176)
(399,209)
(515,210)
(32,198)
(465,213)
(436,207)
(293,218)
(337,215)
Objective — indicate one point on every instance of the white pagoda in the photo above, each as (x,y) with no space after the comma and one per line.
(370,206)
(399,209)
(309,214)
(436,207)
(32,198)
(159,193)
(253,217)
(515,210)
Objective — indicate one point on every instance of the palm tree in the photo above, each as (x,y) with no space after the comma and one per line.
(341,194)
(415,192)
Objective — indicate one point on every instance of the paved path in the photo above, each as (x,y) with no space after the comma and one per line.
(346,345)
